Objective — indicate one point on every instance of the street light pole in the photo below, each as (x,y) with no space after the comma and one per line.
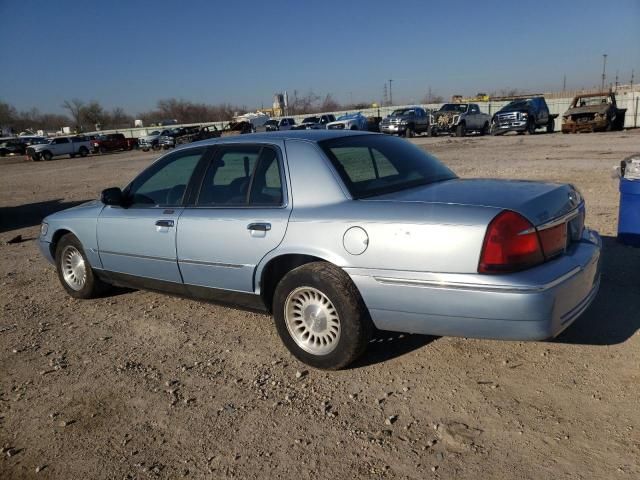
(390,92)
(604,69)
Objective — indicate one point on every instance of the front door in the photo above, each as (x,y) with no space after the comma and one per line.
(139,240)
(240,214)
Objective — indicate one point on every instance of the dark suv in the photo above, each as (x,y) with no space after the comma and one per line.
(523,115)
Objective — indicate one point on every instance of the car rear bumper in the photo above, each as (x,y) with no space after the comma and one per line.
(532,305)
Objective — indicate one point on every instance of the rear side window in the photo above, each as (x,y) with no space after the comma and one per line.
(372,165)
(242,175)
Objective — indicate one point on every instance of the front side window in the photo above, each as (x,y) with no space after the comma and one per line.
(242,175)
(165,182)
(372,165)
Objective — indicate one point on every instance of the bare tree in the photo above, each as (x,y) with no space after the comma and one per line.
(93,114)
(75,108)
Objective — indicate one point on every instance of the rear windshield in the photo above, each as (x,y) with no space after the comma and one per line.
(377,164)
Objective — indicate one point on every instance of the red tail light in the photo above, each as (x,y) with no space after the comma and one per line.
(510,244)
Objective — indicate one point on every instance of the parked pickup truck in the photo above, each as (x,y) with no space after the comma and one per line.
(152,140)
(112,141)
(458,119)
(317,122)
(523,115)
(406,121)
(593,112)
(56,147)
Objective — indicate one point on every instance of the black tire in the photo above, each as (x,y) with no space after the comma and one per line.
(531,126)
(155,146)
(145,149)
(461,130)
(408,132)
(551,126)
(609,126)
(72,155)
(430,131)
(356,327)
(102,150)
(353,127)
(485,129)
(92,286)
(83,152)
(46,155)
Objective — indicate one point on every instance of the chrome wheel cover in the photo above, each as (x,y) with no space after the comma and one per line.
(74,270)
(312,320)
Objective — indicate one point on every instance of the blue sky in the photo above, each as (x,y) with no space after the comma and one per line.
(132,53)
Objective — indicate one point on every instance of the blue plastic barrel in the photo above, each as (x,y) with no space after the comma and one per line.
(629,214)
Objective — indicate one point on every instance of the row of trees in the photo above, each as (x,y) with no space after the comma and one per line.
(88,116)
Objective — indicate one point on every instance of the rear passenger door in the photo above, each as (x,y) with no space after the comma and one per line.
(239,214)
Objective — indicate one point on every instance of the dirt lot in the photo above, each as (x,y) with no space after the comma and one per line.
(140,385)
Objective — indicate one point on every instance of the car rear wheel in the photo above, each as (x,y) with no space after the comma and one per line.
(74,271)
(320,316)
(46,155)
(485,129)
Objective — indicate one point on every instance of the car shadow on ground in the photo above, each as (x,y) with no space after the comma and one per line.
(388,345)
(614,316)
(30,214)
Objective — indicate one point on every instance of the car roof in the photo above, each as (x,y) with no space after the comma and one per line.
(308,135)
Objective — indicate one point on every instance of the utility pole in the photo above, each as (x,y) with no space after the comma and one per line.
(564,83)
(604,70)
(616,81)
(390,92)
(385,98)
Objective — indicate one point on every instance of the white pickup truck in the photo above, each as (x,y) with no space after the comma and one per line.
(71,146)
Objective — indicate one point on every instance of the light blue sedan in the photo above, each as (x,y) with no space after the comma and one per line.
(336,233)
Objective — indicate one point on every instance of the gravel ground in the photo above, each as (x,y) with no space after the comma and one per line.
(140,385)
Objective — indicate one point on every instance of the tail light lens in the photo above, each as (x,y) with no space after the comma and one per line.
(553,240)
(510,244)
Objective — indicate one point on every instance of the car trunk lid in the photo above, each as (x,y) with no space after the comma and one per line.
(539,202)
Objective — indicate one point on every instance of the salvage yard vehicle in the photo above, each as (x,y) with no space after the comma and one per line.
(12,146)
(350,121)
(152,140)
(526,114)
(337,232)
(315,123)
(458,119)
(593,112)
(72,146)
(406,121)
(111,142)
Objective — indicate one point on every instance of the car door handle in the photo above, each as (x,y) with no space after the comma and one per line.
(164,223)
(261,227)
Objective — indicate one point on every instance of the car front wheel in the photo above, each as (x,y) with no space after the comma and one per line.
(74,270)
(321,317)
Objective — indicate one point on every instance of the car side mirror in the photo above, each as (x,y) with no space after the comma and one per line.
(112,196)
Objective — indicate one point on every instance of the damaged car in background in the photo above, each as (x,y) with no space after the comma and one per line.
(458,119)
(592,113)
(350,121)
(337,233)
